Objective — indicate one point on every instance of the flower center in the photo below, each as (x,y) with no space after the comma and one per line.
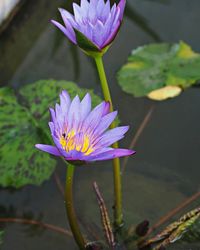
(76,141)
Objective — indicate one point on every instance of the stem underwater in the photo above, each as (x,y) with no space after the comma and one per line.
(70,208)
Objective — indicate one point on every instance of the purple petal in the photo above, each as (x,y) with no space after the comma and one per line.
(99,33)
(85,9)
(85,106)
(87,30)
(121,5)
(105,123)
(106,109)
(105,11)
(53,115)
(66,15)
(52,127)
(92,13)
(111,154)
(85,5)
(94,118)
(59,147)
(112,35)
(65,101)
(74,113)
(75,156)
(111,136)
(116,18)
(48,149)
(77,13)
(67,32)
(59,116)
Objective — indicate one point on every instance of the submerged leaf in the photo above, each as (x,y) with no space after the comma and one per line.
(23,124)
(177,230)
(156,66)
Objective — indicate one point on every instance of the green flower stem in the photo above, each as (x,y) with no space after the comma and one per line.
(70,208)
(116,162)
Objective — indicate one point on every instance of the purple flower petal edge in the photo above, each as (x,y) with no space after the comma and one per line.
(96,20)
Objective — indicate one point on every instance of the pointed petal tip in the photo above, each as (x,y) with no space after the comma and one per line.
(61,9)
(87,95)
(48,149)
(111,154)
(64,93)
(121,6)
(124,129)
(87,99)
(107,108)
(131,152)
(54,22)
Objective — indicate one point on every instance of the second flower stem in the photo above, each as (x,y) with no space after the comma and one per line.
(116,162)
(70,208)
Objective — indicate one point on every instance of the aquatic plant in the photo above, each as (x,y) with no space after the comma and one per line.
(160,71)
(93,28)
(94,24)
(27,121)
(81,135)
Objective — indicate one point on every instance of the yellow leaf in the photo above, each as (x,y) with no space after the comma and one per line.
(135,65)
(165,93)
(185,51)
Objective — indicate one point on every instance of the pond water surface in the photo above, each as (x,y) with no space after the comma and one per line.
(165,170)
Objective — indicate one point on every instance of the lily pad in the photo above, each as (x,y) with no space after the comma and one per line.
(20,163)
(41,95)
(23,123)
(165,93)
(155,66)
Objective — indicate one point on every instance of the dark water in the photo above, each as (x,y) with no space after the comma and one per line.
(165,170)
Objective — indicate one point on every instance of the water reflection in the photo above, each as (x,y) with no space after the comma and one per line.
(138,19)
(11,214)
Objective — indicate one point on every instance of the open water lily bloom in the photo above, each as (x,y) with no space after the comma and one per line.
(96,20)
(82,135)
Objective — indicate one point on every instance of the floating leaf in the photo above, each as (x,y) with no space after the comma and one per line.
(156,66)
(24,123)
(43,94)
(20,162)
(164,93)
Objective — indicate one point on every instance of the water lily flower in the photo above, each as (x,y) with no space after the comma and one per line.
(94,25)
(81,134)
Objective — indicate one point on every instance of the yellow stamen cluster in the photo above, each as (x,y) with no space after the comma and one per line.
(69,143)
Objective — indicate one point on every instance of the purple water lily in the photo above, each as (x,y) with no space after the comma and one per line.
(82,135)
(95,19)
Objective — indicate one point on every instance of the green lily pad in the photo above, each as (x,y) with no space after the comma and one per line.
(155,66)
(20,163)
(43,94)
(24,123)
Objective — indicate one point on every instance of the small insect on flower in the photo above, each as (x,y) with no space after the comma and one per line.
(94,25)
(81,135)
